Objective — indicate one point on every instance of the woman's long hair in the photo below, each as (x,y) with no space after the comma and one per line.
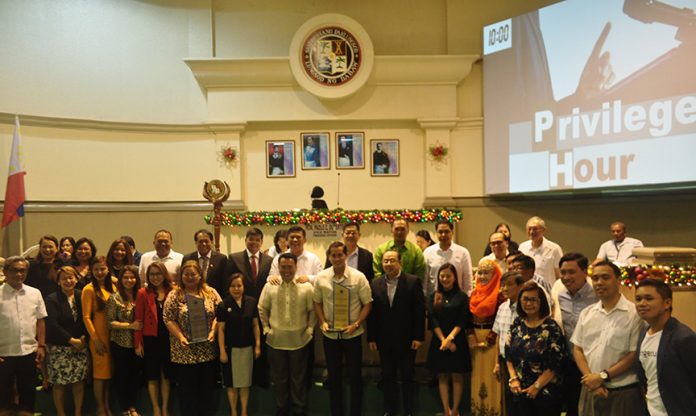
(437,300)
(202,285)
(166,283)
(119,283)
(110,261)
(108,283)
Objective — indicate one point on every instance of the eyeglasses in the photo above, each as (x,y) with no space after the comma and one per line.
(525,299)
(15,270)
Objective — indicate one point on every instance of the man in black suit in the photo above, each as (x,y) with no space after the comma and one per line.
(358,257)
(252,263)
(212,263)
(380,161)
(255,266)
(396,328)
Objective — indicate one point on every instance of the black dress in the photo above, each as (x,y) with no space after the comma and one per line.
(157,359)
(454,312)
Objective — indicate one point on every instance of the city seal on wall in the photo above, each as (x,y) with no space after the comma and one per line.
(331,56)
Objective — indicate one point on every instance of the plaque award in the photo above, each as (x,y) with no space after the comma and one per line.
(341,308)
(198,320)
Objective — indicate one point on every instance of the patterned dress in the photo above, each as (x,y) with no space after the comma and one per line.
(65,364)
(486,394)
(176,310)
(534,350)
(120,311)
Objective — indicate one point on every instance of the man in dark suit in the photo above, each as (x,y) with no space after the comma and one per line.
(380,161)
(252,263)
(666,350)
(212,263)
(255,266)
(396,328)
(358,257)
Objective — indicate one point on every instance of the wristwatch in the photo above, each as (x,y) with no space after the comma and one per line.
(604,375)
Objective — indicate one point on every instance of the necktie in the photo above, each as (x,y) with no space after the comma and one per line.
(203,262)
(252,260)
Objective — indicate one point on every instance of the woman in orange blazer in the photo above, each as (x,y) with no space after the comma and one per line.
(152,342)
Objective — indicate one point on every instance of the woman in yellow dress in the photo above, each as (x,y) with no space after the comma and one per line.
(94,298)
(485,298)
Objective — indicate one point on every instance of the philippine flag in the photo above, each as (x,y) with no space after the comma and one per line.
(14,193)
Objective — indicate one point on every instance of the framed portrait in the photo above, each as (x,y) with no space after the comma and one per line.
(280,159)
(350,153)
(315,151)
(385,157)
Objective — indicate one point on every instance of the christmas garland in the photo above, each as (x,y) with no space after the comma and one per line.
(675,275)
(339,216)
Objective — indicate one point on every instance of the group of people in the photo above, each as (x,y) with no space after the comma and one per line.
(535,332)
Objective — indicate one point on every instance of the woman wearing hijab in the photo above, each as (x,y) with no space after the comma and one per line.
(485,298)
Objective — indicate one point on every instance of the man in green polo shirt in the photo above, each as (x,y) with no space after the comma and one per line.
(412,260)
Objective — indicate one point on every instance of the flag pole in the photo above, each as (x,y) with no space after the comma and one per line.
(21,219)
(21,234)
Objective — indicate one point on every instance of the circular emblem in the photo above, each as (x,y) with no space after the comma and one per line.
(216,191)
(331,56)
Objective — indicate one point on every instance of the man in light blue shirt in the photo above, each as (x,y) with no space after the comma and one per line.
(572,292)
